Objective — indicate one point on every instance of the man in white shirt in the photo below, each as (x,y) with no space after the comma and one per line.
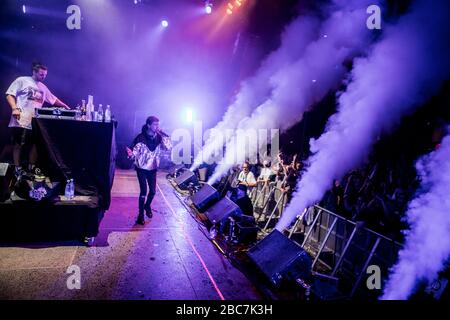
(266,172)
(246,178)
(24,95)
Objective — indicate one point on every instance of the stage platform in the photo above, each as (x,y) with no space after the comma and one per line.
(167,258)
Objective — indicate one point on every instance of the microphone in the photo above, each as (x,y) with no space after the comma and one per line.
(163,133)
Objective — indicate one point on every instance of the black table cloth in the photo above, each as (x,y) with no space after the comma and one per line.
(81,150)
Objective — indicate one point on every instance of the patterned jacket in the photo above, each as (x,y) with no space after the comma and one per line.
(147,150)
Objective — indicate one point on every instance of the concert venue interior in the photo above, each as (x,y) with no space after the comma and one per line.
(259,150)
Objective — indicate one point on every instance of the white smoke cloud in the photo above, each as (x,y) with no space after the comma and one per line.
(300,85)
(294,40)
(427,245)
(405,68)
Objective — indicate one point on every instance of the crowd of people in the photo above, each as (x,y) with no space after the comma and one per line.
(376,194)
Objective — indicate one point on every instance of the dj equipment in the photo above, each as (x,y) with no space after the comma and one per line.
(56,113)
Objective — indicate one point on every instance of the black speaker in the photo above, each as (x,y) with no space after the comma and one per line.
(222,210)
(246,230)
(185,179)
(205,197)
(280,258)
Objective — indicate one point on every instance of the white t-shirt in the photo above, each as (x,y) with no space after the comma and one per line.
(249,177)
(265,173)
(245,177)
(30,95)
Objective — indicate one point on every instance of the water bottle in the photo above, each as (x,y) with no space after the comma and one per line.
(72,189)
(67,190)
(100,113)
(83,109)
(90,108)
(108,113)
(78,112)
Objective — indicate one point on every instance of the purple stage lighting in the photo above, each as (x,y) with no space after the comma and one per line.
(165,23)
(24,9)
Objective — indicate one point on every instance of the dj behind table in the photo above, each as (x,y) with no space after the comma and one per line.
(67,148)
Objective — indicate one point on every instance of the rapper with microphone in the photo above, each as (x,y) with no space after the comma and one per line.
(145,151)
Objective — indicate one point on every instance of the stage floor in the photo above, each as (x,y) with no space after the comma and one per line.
(167,259)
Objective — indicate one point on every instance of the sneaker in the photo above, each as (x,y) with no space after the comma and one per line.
(38,175)
(149,213)
(140,220)
(89,241)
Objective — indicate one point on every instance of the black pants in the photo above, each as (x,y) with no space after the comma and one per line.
(146,177)
(24,152)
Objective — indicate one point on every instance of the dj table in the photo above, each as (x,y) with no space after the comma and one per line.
(81,150)
(67,149)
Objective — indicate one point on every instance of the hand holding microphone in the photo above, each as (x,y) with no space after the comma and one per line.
(162,133)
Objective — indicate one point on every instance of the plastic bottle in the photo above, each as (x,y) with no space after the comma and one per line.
(108,113)
(100,113)
(90,108)
(83,109)
(78,112)
(72,189)
(67,189)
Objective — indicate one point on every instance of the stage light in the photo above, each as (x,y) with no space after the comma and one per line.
(233,6)
(189,115)
(165,23)
(208,8)
(24,9)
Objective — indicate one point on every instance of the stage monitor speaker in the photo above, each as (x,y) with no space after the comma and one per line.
(185,179)
(280,258)
(221,210)
(205,197)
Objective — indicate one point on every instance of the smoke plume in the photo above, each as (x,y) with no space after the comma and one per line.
(427,245)
(294,40)
(298,86)
(405,68)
